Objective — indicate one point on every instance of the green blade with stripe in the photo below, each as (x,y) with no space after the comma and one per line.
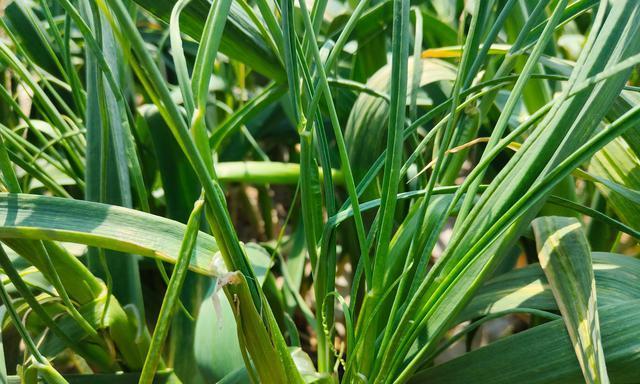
(565,257)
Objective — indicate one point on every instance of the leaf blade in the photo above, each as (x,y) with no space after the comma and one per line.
(101,225)
(564,255)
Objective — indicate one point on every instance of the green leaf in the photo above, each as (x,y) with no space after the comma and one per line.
(528,287)
(102,378)
(26,216)
(40,362)
(271,362)
(21,19)
(558,144)
(216,347)
(181,190)
(241,40)
(615,168)
(366,127)
(544,354)
(3,364)
(172,294)
(106,170)
(564,255)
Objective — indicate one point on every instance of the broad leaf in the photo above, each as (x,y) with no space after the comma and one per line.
(24,216)
(528,287)
(544,354)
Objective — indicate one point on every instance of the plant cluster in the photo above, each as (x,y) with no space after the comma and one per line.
(370,191)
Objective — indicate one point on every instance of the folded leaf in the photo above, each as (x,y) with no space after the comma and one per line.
(564,255)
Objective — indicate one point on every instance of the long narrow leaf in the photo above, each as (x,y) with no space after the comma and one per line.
(565,258)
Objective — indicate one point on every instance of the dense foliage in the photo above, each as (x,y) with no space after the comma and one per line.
(323,191)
